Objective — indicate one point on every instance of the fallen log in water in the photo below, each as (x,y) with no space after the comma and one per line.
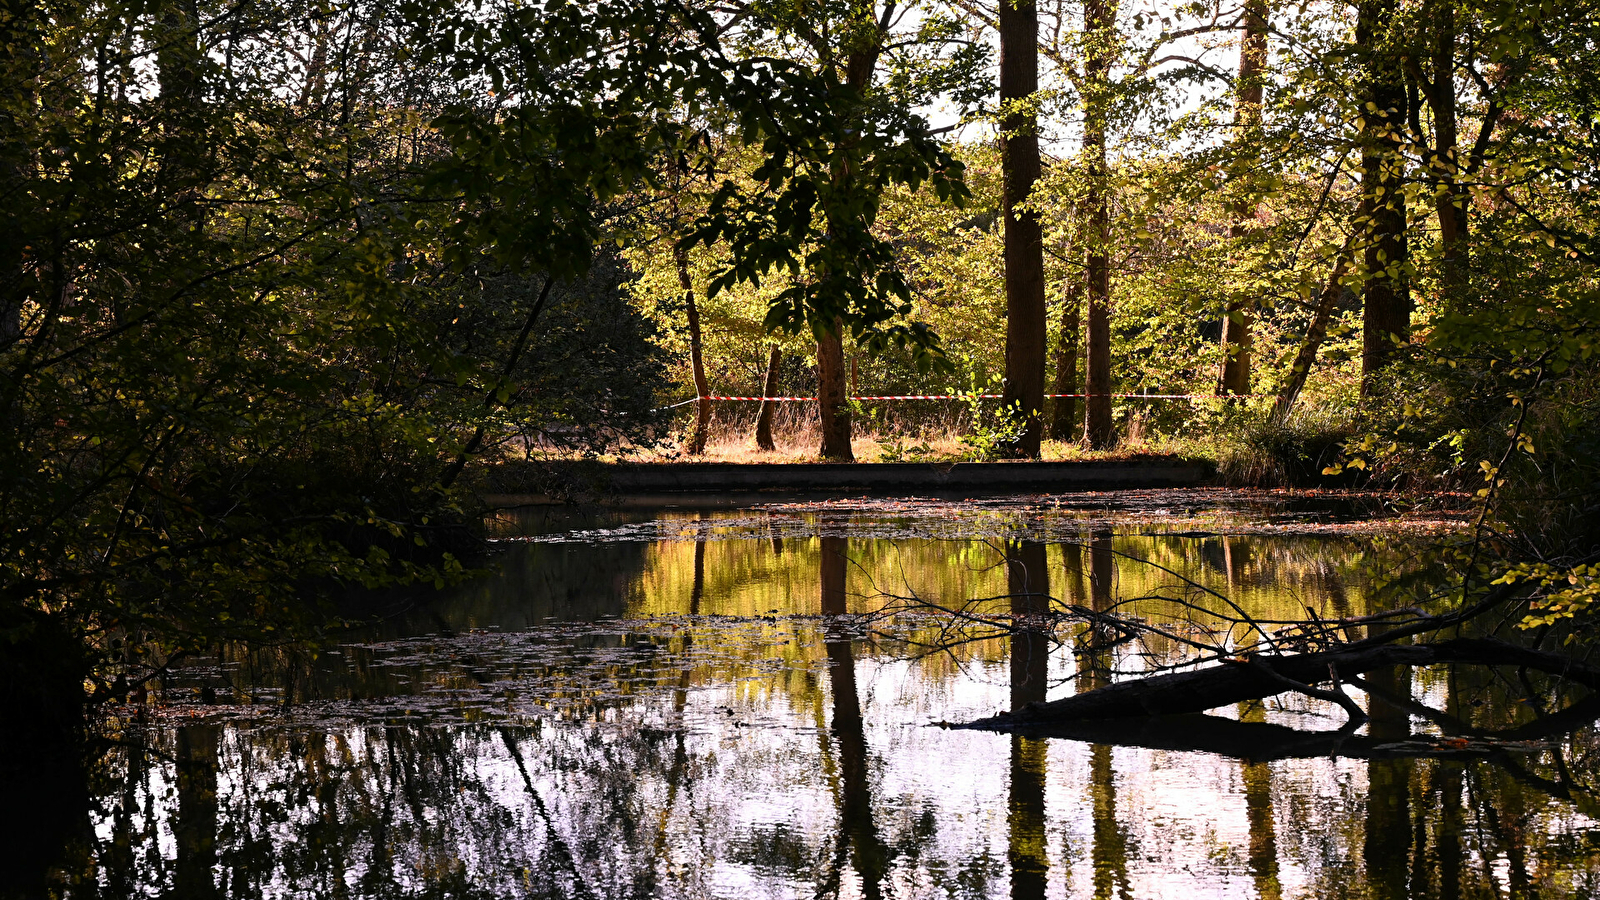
(1263,742)
(1178,693)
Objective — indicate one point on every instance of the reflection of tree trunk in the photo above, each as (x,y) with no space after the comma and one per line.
(1102,572)
(1072,572)
(1025,817)
(698,591)
(1028,583)
(1110,851)
(1024,247)
(833,563)
(195,830)
(1447,775)
(1502,808)
(1258,810)
(1386,842)
(831,403)
(702,389)
(680,699)
(1235,556)
(868,853)
(1094,662)
(769,389)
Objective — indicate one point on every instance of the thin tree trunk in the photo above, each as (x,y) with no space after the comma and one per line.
(770,389)
(1386,307)
(1316,332)
(1024,248)
(1234,377)
(1065,414)
(702,406)
(831,397)
(1099,18)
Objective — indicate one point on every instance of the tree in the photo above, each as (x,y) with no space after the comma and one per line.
(823,179)
(1234,377)
(1386,300)
(1099,33)
(1024,250)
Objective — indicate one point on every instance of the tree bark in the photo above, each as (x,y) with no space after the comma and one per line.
(831,406)
(835,413)
(769,389)
(702,390)
(1024,248)
(1234,376)
(1099,20)
(1451,202)
(1064,416)
(1386,306)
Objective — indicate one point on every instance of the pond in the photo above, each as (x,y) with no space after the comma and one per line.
(752,702)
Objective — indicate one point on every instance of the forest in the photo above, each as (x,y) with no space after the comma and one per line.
(280,280)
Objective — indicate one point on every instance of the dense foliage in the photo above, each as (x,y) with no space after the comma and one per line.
(274,274)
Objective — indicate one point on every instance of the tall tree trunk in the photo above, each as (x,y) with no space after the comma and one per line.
(1234,377)
(1451,201)
(769,389)
(1099,22)
(1386,306)
(1024,248)
(1064,416)
(702,405)
(831,397)
(833,411)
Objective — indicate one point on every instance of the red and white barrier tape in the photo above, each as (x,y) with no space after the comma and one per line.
(987,397)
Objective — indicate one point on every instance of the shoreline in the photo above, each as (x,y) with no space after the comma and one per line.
(510,485)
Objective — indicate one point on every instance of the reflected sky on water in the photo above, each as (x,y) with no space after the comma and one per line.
(701,704)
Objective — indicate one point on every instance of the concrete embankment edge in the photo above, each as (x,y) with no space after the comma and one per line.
(653,484)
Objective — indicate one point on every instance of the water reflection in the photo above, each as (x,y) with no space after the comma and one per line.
(708,713)
(1028,583)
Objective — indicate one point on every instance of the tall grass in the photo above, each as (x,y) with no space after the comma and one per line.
(1252,449)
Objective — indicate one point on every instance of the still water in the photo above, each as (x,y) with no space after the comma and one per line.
(746,703)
